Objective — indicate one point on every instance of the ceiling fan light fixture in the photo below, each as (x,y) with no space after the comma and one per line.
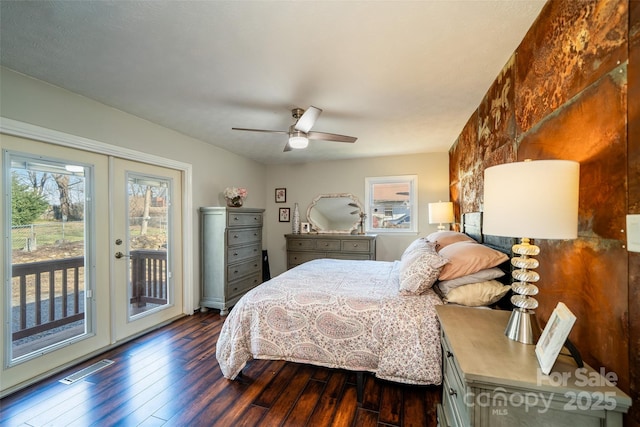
(298,140)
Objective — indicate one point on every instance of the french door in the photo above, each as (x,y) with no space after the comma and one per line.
(98,261)
(146,209)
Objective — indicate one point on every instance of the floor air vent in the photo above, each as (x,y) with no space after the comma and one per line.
(86,371)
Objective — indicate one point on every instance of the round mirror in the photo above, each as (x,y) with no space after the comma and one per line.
(334,213)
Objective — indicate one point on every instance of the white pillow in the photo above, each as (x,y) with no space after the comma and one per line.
(480,276)
(418,245)
(419,270)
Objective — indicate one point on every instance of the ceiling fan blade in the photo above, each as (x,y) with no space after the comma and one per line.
(331,137)
(308,119)
(262,130)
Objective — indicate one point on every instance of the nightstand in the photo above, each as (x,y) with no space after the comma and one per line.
(490,380)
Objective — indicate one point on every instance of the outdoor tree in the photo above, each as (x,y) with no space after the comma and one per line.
(26,204)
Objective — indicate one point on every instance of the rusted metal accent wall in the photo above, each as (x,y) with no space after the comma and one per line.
(633,115)
(567,94)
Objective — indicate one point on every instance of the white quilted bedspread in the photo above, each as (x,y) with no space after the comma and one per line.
(338,314)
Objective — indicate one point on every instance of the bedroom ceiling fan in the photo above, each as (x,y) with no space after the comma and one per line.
(300,132)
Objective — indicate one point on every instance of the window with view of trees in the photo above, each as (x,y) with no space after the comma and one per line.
(391,203)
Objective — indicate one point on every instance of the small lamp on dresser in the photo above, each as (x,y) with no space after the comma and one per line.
(441,213)
(530,199)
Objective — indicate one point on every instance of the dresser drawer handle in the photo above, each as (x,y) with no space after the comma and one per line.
(235,236)
(452,392)
(235,218)
(355,245)
(235,254)
(449,354)
(326,244)
(235,271)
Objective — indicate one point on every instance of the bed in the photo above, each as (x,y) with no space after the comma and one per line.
(363,316)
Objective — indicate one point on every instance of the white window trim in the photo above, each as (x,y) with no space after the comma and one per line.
(38,133)
(413,200)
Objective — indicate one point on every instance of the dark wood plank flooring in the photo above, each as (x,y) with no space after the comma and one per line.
(170,377)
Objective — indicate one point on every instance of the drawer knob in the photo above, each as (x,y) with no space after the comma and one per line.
(355,245)
(235,272)
(235,236)
(235,218)
(449,354)
(452,392)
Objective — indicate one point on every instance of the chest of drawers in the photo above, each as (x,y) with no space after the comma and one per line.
(306,247)
(490,380)
(230,255)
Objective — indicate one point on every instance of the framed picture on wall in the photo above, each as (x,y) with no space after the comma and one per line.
(284,214)
(554,336)
(281,195)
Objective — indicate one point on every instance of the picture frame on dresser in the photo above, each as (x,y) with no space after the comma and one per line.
(284,214)
(554,336)
(281,195)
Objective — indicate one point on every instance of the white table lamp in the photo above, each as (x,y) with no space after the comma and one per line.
(441,213)
(531,199)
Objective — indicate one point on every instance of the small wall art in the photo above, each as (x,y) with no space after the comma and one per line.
(284,214)
(281,195)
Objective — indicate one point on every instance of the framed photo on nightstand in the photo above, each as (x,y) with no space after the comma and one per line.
(554,336)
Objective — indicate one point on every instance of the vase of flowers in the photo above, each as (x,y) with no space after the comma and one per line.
(235,196)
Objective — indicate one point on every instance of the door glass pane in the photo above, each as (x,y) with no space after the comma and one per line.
(148,240)
(48,254)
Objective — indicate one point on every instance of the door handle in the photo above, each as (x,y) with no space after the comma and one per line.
(121,255)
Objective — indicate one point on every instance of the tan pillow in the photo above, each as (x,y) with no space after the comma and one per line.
(477,294)
(419,270)
(467,258)
(445,238)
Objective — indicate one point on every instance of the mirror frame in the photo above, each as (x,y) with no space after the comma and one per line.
(317,229)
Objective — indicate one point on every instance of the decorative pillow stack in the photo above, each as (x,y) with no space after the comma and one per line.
(420,266)
(469,276)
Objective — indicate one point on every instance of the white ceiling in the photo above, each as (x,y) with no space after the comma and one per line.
(402,76)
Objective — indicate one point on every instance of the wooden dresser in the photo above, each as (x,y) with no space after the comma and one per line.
(490,380)
(306,247)
(230,255)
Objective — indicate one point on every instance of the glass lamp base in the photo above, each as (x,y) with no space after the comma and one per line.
(523,326)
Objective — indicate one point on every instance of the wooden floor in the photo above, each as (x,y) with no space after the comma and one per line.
(170,377)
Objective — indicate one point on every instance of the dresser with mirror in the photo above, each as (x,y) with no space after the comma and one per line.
(336,232)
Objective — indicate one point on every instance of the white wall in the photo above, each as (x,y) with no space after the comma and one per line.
(35,102)
(305,181)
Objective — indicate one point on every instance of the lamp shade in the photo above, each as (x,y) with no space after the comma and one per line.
(440,212)
(535,199)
